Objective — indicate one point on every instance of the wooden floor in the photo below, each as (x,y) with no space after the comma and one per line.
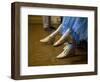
(40,54)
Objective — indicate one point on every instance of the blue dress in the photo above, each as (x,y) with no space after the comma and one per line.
(77,25)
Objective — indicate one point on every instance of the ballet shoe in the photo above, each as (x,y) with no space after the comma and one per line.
(48,40)
(58,43)
(65,52)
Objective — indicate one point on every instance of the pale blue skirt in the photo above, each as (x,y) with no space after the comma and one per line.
(78,26)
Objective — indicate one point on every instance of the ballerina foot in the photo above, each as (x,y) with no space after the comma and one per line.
(65,52)
(58,43)
(48,40)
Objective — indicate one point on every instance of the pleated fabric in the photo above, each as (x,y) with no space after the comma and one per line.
(77,25)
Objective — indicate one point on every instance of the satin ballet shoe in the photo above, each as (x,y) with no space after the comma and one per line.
(48,40)
(58,43)
(65,52)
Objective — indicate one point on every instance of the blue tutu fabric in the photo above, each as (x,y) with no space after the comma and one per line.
(77,25)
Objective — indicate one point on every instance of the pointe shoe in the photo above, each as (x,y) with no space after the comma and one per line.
(59,42)
(48,40)
(65,52)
